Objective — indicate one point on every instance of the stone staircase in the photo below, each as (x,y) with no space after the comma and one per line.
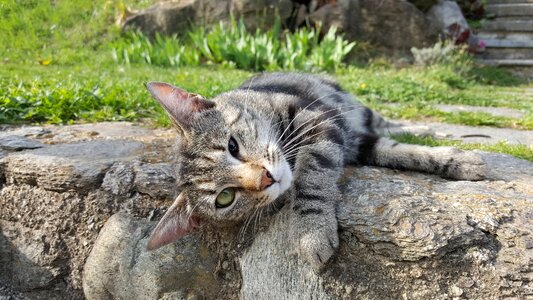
(508,33)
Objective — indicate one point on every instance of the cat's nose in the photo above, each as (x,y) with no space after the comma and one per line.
(266,179)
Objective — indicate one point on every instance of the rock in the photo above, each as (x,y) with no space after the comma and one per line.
(455,291)
(171,17)
(54,200)
(400,233)
(41,240)
(17,143)
(67,167)
(180,271)
(424,5)
(448,18)
(156,180)
(393,26)
(390,25)
(26,131)
(403,234)
(119,179)
(329,15)
(8,293)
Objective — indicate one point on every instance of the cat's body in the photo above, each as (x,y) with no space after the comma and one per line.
(283,134)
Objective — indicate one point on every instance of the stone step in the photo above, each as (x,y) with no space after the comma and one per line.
(490,2)
(508,25)
(508,53)
(507,62)
(508,43)
(502,35)
(510,9)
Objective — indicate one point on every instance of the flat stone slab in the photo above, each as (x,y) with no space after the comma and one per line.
(17,143)
(495,111)
(67,167)
(466,134)
(26,131)
(55,134)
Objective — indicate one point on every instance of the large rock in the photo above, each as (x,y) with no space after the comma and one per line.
(178,272)
(393,26)
(55,199)
(404,235)
(171,17)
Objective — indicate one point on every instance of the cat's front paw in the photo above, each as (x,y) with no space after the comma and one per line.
(463,165)
(318,246)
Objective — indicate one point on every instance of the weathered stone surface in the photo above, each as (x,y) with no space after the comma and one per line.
(26,131)
(393,26)
(44,238)
(50,220)
(403,234)
(67,167)
(448,18)
(180,271)
(156,180)
(17,143)
(172,17)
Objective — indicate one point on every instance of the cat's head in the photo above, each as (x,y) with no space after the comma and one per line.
(230,161)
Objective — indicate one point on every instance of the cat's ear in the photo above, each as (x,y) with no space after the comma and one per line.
(179,104)
(175,224)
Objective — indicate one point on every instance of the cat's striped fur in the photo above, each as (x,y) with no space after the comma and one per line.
(295,133)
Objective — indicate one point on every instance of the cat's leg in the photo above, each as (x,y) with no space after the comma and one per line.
(314,223)
(447,162)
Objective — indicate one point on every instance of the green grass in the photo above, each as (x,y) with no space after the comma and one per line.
(57,66)
(67,94)
(517,150)
(410,93)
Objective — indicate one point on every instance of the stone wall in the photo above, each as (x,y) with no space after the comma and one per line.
(403,234)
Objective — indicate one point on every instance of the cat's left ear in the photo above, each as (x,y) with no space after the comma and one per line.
(175,224)
(179,104)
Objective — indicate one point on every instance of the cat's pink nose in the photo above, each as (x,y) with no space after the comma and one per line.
(266,179)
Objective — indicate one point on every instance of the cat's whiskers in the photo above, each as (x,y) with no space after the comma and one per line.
(191,212)
(247,95)
(293,150)
(296,116)
(332,118)
(260,212)
(242,231)
(325,112)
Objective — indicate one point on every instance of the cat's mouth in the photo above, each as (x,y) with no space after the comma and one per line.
(281,181)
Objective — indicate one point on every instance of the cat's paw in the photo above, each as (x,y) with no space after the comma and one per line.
(318,246)
(463,165)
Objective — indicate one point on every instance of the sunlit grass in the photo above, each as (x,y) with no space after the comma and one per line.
(517,150)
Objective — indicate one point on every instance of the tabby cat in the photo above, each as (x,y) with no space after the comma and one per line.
(282,134)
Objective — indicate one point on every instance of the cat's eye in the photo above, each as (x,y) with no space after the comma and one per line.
(233,147)
(225,198)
